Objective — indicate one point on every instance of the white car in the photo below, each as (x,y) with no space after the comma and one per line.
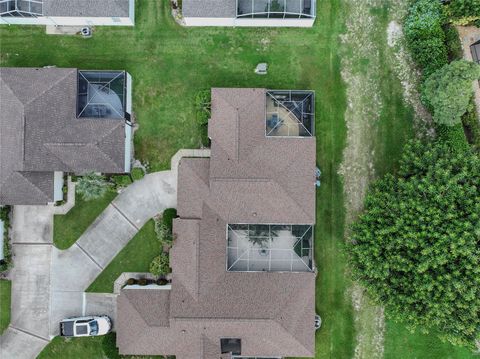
(85,326)
(318,322)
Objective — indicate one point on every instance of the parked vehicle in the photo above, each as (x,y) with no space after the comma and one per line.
(85,326)
(318,322)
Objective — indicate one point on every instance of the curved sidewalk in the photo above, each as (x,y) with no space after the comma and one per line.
(48,284)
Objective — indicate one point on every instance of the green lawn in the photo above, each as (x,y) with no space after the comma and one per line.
(134,257)
(85,348)
(68,228)
(400,343)
(5,300)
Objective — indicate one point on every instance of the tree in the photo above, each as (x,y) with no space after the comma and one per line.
(92,186)
(416,247)
(448,91)
(160,265)
(463,12)
(425,36)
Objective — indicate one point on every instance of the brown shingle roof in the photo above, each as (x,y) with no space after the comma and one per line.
(41,134)
(248,179)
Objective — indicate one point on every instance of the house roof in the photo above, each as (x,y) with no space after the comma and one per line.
(41,134)
(250,178)
(209,8)
(86,8)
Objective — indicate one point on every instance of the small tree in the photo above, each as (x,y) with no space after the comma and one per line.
(203,105)
(416,248)
(92,186)
(448,91)
(425,36)
(463,12)
(160,265)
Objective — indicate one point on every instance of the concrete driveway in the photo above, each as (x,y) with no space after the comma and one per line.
(49,284)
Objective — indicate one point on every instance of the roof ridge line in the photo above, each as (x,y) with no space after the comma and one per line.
(33,184)
(49,87)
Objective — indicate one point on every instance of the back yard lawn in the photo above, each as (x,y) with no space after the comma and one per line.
(170,64)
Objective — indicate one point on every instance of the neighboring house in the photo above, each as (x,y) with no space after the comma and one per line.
(243,276)
(293,13)
(68,12)
(56,120)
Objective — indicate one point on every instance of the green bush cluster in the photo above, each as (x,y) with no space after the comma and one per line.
(203,100)
(463,12)
(425,35)
(137,173)
(447,92)
(472,125)
(416,248)
(160,265)
(92,186)
(7,253)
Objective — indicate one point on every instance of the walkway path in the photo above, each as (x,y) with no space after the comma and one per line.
(48,284)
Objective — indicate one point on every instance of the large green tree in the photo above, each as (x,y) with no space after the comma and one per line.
(416,247)
(463,12)
(448,91)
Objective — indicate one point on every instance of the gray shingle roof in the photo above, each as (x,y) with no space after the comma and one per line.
(93,8)
(209,8)
(248,179)
(41,134)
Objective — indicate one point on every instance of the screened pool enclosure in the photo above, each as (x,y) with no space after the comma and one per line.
(290,113)
(101,94)
(269,248)
(21,8)
(279,9)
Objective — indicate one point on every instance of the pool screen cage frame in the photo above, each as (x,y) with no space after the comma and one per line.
(277,9)
(105,79)
(307,112)
(35,8)
(306,230)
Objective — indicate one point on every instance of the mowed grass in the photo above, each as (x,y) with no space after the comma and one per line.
(134,257)
(102,347)
(400,343)
(5,302)
(69,227)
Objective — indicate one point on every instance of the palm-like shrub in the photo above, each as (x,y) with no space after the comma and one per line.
(92,186)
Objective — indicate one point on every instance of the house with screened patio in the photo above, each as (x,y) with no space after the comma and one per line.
(243,272)
(68,12)
(55,121)
(278,13)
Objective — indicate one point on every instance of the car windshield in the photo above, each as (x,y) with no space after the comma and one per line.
(93,327)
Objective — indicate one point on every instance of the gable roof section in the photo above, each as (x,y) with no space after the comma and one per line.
(86,8)
(40,133)
(209,8)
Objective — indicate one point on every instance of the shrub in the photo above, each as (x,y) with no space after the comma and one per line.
(416,247)
(120,181)
(448,91)
(167,217)
(452,41)
(137,173)
(203,104)
(464,12)
(160,265)
(425,36)
(472,125)
(453,136)
(7,253)
(92,186)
